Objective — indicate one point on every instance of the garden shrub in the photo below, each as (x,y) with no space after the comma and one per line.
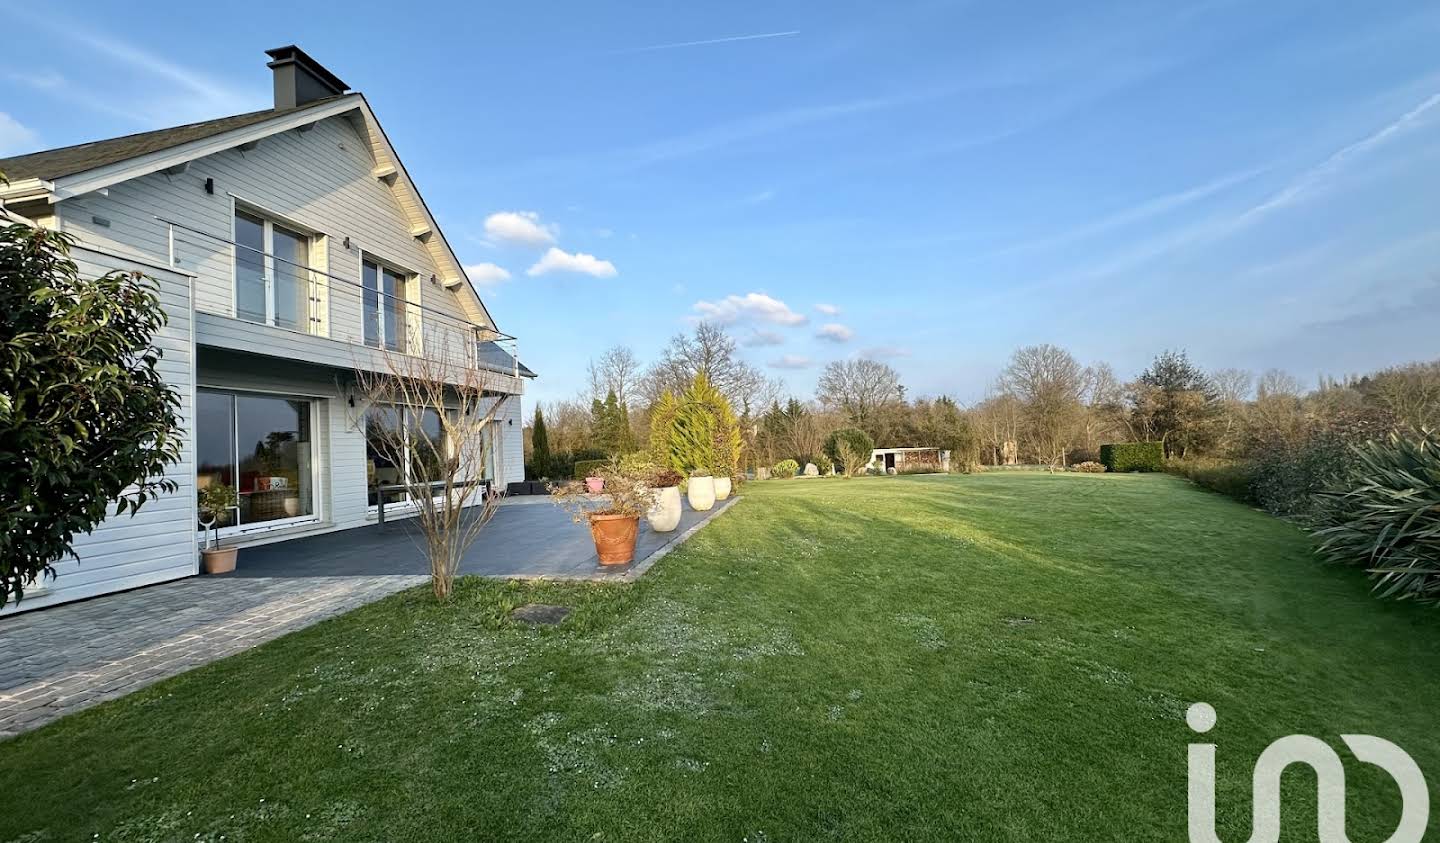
(785,469)
(696,433)
(850,447)
(1384,514)
(1089,467)
(1133,456)
(1287,478)
(1228,477)
(588,468)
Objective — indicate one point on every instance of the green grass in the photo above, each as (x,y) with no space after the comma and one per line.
(947,658)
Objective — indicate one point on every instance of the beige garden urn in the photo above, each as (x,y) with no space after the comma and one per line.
(722,488)
(664,515)
(701,493)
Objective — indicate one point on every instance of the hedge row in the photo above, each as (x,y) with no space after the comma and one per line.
(588,468)
(1133,456)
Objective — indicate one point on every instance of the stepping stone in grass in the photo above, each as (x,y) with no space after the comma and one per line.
(540,614)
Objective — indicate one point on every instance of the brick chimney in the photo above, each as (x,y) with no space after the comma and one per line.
(300,79)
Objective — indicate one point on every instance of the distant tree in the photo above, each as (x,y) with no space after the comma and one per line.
(539,447)
(862,389)
(1049,384)
(942,424)
(850,448)
(1173,401)
(86,418)
(711,352)
(610,426)
(997,421)
(1410,395)
(617,370)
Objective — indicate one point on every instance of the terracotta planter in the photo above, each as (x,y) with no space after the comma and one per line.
(701,493)
(664,516)
(722,488)
(218,560)
(614,537)
(594,485)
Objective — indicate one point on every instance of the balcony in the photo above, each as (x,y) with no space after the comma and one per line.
(265,301)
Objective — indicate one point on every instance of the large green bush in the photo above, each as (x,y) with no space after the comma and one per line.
(1287,479)
(849,445)
(86,419)
(696,433)
(1228,477)
(785,469)
(1385,515)
(1133,456)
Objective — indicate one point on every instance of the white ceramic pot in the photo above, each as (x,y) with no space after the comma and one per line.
(701,493)
(722,488)
(664,516)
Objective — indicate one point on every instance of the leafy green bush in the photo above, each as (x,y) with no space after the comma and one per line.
(1089,467)
(588,468)
(1228,477)
(1287,479)
(850,447)
(1133,456)
(696,433)
(785,469)
(1385,515)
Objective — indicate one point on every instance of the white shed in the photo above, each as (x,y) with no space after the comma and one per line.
(886,459)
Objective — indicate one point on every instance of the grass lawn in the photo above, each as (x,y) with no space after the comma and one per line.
(1003,656)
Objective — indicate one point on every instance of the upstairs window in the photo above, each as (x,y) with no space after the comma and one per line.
(385,295)
(273,282)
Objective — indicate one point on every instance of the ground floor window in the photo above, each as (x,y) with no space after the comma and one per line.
(404,446)
(262,446)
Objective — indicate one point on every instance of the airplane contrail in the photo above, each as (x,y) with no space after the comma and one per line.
(707,41)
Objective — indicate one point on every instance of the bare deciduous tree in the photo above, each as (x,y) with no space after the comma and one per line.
(618,371)
(431,421)
(711,352)
(861,389)
(1049,384)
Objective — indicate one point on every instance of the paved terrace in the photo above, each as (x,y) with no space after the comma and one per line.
(61,659)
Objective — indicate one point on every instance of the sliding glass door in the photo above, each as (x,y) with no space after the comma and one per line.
(262,446)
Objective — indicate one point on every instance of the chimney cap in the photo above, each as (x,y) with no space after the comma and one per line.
(291,54)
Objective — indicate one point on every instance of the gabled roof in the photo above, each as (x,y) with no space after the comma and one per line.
(76,170)
(69,160)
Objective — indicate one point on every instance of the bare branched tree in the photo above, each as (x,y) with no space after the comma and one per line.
(1049,384)
(618,371)
(428,419)
(711,352)
(861,389)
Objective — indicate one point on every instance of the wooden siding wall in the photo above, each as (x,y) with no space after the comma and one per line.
(320,180)
(157,543)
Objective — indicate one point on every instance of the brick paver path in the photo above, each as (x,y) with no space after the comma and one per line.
(59,660)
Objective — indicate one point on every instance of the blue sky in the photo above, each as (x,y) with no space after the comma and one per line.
(1258,183)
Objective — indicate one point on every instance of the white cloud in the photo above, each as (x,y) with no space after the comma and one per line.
(828,309)
(520,227)
(751,307)
(559,260)
(14,137)
(486,274)
(762,338)
(791,361)
(834,332)
(882,352)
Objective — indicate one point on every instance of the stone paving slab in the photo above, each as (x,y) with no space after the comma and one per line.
(61,659)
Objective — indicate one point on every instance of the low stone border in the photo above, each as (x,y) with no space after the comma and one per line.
(639,568)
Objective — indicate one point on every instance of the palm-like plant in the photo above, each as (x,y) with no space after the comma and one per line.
(1385,515)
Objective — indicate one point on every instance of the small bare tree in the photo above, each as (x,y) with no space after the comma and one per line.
(430,417)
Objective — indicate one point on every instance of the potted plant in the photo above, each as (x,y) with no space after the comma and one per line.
(216,500)
(664,515)
(615,519)
(595,485)
(700,491)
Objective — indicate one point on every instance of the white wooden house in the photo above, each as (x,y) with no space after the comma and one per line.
(291,249)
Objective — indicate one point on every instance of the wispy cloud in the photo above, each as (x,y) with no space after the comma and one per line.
(1317,176)
(883,352)
(675,45)
(519,227)
(827,309)
(751,307)
(791,361)
(559,260)
(15,137)
(835,332)
(486,274)
(760,338)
